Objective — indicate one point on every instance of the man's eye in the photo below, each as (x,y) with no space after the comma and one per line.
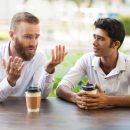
(28,37)
(94,36)
(37,37)
(102,39)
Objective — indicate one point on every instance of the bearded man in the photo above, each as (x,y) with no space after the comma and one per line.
(21,65)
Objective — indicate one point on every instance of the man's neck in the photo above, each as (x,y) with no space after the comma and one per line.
(12,51)
(108,63)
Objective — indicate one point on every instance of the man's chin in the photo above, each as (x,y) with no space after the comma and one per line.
(97,54)
(28,57)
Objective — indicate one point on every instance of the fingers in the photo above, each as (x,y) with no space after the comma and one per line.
(80,103)
(81,93)
(58,54)
(63,54)
(92,95)
(58,49)
(93,105)
(16,62)
(9,63)
(14,66)
(13,69)
(92,108)
(85,100)
(86,103)
(21,66)
(99,89)
(6,63)
(53,56)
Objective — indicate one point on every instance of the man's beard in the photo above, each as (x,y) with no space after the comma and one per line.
(22,51)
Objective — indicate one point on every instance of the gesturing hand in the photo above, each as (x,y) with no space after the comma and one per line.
(13,69)
(57,57)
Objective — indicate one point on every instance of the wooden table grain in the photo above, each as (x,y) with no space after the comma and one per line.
(56,114)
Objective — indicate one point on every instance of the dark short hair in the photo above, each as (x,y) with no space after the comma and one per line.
(114,28)
(23,17)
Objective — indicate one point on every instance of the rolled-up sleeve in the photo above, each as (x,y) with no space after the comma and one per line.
(5,89)
(75,74)
(46,83)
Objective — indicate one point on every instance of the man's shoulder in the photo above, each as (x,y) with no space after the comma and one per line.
(3,49)
(3,46)
(88,56)
(125,56)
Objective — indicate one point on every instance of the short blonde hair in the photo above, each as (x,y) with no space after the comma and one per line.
(22,17)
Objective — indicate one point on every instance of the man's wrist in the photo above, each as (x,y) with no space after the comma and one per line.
(73,97)
(50,71)
(11,82)
(110,101)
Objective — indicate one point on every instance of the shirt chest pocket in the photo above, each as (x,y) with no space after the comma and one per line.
(118,85)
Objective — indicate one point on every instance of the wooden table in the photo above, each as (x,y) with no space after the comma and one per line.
(57,114)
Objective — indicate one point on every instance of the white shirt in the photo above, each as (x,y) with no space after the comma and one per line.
(32,73)
(117,82)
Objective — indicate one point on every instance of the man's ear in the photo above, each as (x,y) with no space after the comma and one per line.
(11,34)
(116,44)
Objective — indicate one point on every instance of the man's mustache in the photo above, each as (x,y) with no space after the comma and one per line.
(32,47)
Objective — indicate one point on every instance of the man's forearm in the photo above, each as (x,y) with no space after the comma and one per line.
(46,83)
(65,93)
(121,101)
(5,89)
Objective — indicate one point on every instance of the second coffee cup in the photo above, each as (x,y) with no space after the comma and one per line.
(90,88)
(33,99)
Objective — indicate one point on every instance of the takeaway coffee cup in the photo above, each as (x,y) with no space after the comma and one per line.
(33,99)
(90,88)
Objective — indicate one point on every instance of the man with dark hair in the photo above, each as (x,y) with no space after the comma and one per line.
(21,65)
(106,67)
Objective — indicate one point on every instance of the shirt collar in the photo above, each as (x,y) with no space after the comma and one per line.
(96,62)
(120,62)
(7,50)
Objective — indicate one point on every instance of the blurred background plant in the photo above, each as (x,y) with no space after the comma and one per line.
(4,36)
(126,21)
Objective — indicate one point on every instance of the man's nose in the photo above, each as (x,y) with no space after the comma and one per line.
(34,41)
(95,42)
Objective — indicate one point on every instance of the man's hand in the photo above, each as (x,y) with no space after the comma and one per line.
(86,100)
(95,101)
(57,57)
(13,69)
(80,99)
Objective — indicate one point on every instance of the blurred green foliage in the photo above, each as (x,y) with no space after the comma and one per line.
(4,36)
(126,21)
(63,68)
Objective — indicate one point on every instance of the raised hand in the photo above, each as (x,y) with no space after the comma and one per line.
(13,69)
(57,57)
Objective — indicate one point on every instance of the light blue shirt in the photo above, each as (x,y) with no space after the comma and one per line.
(32,73)
(117,82)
